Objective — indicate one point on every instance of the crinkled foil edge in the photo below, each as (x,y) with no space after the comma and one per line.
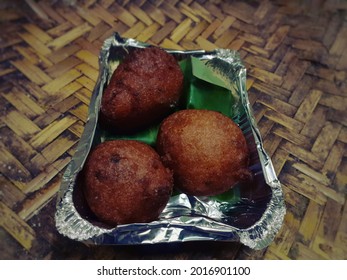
(176,229)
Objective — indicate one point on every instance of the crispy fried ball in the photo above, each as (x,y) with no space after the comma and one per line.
(206,151)
(126,182)
(143,89)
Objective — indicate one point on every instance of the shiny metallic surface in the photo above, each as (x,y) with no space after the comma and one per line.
(253,220)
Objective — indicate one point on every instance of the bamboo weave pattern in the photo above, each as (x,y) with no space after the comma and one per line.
(296,58)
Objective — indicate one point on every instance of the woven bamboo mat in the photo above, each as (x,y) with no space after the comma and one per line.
(296,57)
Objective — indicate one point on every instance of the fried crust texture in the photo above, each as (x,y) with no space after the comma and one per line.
(143,89)
(126,182)
(206,151)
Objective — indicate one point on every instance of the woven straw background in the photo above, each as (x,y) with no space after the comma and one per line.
(296,58)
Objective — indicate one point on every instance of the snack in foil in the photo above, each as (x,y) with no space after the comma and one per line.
(250,213)
(144,88)
(206,151)
(124,181)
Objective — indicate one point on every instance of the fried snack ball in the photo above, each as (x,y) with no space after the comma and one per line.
(126,182)
(206,151)
(143,89)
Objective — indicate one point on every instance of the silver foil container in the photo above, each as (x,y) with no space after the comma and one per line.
(251,214)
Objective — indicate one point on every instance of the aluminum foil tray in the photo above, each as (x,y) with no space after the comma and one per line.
(251,213)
